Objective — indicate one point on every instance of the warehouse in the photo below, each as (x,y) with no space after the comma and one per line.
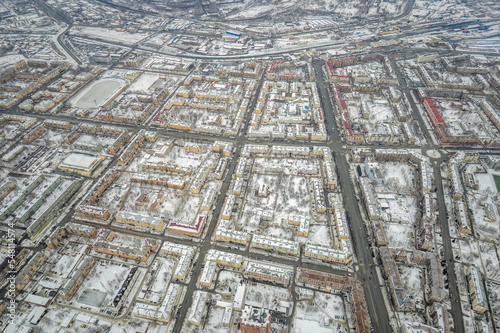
(81,164)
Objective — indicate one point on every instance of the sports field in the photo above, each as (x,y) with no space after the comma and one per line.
(98,93)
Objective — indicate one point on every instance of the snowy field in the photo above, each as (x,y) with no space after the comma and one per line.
(103,288)
(108,34)
(412,278)
(112,197)
(98,93)
(489,257)
(163,276)
(319,235)
(399,235)
(227,283)
(325,314)
(214,321)
(266,296)
(287,195)
(480,198)
(398,178)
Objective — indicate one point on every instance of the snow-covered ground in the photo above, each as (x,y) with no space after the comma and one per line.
(108,34)
(325,314)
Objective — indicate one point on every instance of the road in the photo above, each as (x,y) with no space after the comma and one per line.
(366,273)
(279,52)
(375,302)
(205,244)
(60,17)
(456,308)
(366,270)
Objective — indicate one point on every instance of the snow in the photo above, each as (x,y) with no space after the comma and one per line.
(144,81)
(330,305)
(323,308)
(311,326)
(279,233)
(108,34)
(163,276)
(470,253)
(412,277)
(227,283)
(253,12)
(10,60)
(214,322)
(98,92)
(52,317)
(180,208)
(111,198)
(399,235)
(266,296)
(489,258)
(287,195)
(484,195)
(486,182)
(320,235)
(115,275)
(65,265)
(403,209)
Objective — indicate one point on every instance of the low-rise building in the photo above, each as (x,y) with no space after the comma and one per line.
(82,164)
(476,289)
(255,320)
(140,220)
(134,253)
(71,286)
(343,255)
(162,313)
(269,273)
(28,271)
(185,254)
(225,258)
(231,236)
(271,243)
(195,229)
(197,307)
(208,274)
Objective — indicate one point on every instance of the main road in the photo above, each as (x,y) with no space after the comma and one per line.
(205,245)
(366,273)
(456,309)
(456,305)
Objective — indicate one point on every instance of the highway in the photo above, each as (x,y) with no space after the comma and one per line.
(60,17)
(277,52)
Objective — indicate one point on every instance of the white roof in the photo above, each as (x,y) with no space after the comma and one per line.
(12,328)
(198,306)
(38,300)
(79,160)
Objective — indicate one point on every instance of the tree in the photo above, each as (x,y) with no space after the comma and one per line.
(258,296)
